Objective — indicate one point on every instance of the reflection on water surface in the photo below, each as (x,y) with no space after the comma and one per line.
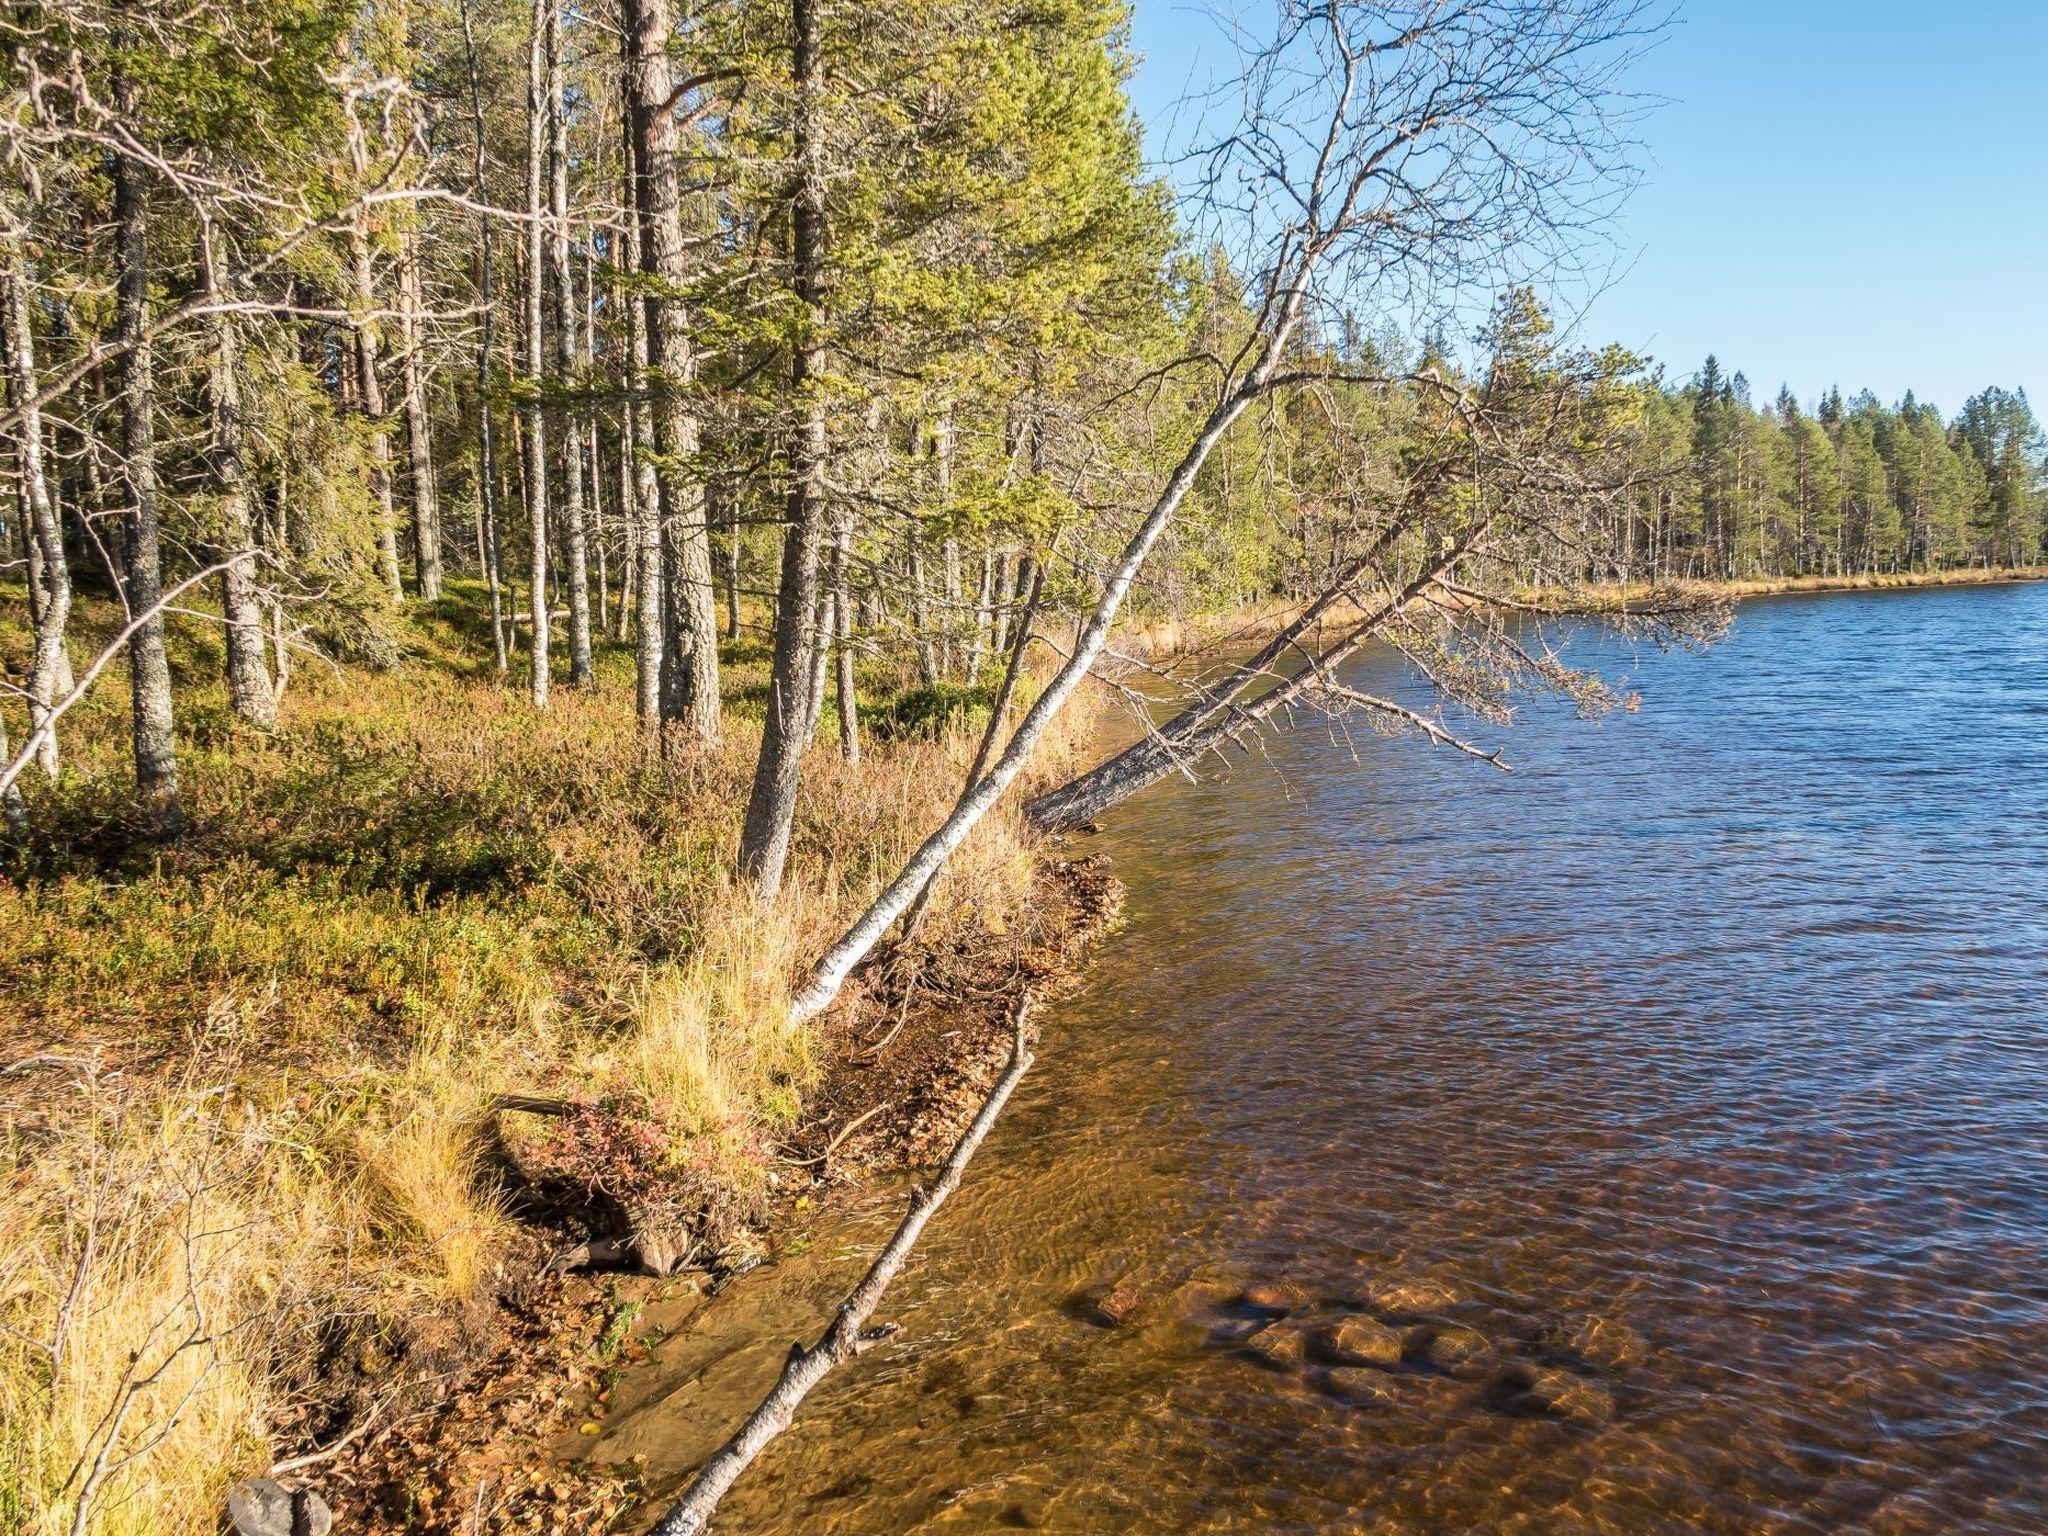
(1700,1069)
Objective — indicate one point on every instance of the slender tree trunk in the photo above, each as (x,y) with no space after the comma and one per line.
(920,605)
(771,807)
(664,258)
(639,488)
(597,535)
(842,612)
(822,630)
(567,362)
(732,566)
(42,529)
(250,694)
(369,391)
(535,455)
(490,549)
(149,663)
(13,809)
(419,439)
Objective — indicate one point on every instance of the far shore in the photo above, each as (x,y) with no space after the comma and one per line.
(1854,581)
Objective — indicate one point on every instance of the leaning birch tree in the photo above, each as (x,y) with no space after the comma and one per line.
(1385,155)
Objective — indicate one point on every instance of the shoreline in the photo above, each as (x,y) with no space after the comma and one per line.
(1736,589)
(910,1060)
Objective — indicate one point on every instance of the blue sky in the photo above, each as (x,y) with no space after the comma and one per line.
(1835,191)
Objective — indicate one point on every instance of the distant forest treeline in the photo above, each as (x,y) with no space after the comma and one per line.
(1852,486)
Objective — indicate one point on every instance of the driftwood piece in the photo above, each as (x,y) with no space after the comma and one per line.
(849,1334)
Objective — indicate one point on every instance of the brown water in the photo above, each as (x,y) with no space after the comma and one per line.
(1705,1060)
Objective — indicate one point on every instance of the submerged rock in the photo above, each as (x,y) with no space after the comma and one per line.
(1554,1393)
(1460,1352)
(1356,1384)
(1272,1297)
(1280,1347)
(1110,1306)
(1353,1341)
(1409,1296)
(1597,1341)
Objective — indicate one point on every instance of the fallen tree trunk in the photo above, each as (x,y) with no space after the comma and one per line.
(849,1334)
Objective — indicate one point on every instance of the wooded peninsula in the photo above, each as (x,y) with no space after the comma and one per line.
(562,564)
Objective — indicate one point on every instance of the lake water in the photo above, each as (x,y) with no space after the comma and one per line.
(1701,1067)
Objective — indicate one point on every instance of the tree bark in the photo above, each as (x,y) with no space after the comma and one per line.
(149,662)
(771,807)
(567,361)
(490,550)
(419,437)
(536,438)
(369,391)
(842,613)
(250,694)
(642,491)
(664,259)
(42,531)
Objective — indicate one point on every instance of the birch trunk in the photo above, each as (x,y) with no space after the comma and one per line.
(42,532)
(642,492)
(535,455)
(419,438)
(574,538)
(490,550)
(830,973)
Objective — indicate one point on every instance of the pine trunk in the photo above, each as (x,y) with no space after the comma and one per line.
(664,258)
(574,534)
(149,662)
(771,807)
(535,456)
(250,694)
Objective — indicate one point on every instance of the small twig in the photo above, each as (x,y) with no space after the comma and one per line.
(845,1131)
(336,1447)
(527,1103)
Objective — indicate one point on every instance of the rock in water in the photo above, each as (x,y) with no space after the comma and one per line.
(261,1507)
(1119,1305)
(1595,1340)
(1409,1297)
(1270,1298)
(1460,1352)
(1281,1348)
(1555,1394)
(1358,1384)
(1359,1341)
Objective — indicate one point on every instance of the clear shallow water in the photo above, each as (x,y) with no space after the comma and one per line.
(1705,1058)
